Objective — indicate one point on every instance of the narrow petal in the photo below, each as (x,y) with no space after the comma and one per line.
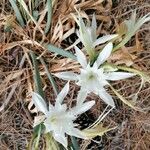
(95,66)
(81,57)
(51,107)
(60,107)
(76,133)
(113,76)
(39,102)
(104,54)
(94,24)
(106,97)
(63,93)
(48,127)
(104,39)
(79,109)
(81,97)
(66,75)
(61,138)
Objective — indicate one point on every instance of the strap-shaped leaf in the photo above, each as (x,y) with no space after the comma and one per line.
(37,79)
(49,15)
(50,77)
(60,51)
(98,130)
(17,12)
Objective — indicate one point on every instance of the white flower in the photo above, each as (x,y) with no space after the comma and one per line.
(87,35)
(94,78)
(58,119)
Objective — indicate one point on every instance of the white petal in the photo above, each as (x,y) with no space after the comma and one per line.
(79,109)
(39,102)
(95,67)
(48,127)
(81,24)
(104,39)
(104,54)
(113,76)
(60,107)
(61,138)
(76,133)
(63,93)
(81,57)
(51,107)
(80,37)
(38,120)
(66,75)
(106,97)
(81,97)
(94,24)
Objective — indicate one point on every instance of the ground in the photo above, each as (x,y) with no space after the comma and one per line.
(16,76)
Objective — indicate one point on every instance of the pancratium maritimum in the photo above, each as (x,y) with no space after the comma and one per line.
(57,119)
(94,78)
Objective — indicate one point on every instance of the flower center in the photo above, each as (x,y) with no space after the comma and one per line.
(91,76)
(53,119)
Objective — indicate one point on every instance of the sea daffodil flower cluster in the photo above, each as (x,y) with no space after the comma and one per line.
(58,119)
(94,78)
(87,35)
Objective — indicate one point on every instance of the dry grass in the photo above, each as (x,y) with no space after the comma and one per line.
(16,78)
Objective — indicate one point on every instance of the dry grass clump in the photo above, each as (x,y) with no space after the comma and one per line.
(16,78)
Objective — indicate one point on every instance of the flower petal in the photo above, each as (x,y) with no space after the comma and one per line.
(81,57)
(51,107)
(39,103)
(62,94)
(66,75)
(104,39)
(76,133)
(79,109)
(94,24)
(48,127)
(104,54)
(61,138)
(106,97)
(81,97)
(113,76)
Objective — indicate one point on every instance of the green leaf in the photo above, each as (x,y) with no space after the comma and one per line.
(17,12)
(51,144)
(49,16)
(50,77)
(7,28)
(75,144)
(38,87)
(35,15)
(60,51)
(36,3)
(38,136)
(37,79)
(98,130)
(34,142)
